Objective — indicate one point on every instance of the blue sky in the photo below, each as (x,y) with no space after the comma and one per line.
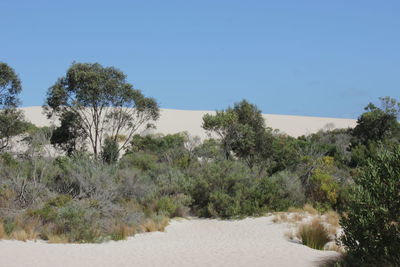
(299,57)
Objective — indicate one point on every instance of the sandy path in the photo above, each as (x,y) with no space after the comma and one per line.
(196,242)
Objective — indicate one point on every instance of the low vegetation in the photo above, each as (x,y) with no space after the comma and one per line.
(314,234)
(103,181)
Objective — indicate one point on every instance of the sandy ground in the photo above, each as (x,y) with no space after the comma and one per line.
(174,121)
(195,242)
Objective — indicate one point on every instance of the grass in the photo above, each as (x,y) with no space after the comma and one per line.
(314,234)
(157,223)
(332,218)
(20,235)
(2,231)
(280,217)
(310,209)
(57,239)
(294,217)
(122,232)
(292,209)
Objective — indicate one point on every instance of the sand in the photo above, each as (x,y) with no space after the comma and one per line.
(193,242)
(174,121)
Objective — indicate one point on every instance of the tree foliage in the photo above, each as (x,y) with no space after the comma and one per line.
(372,225)
(102,101)
(10,87)
(11,124)
(242,131)
(11,120)
(377,124)
(109,152)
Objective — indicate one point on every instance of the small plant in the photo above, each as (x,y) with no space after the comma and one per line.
(157,223)
(122,232)
(110,151)
(2,231)
(280,217)
(57,239)
(20,235)
(314,234)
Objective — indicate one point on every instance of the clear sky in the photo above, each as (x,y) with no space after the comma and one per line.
(298,57)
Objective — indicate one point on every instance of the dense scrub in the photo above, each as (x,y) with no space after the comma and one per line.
(111,182)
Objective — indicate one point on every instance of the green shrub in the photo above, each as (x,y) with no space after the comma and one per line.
(72,222)
(139,160)
(8,160)
(289,190)
(372,225)
(229,189)
(110,152)
(173,206)
(9,225)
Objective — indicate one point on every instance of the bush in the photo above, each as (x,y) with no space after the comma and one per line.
(289,189)
(110,152)
(173,206)
(372,225)
(139,160)
(229,189)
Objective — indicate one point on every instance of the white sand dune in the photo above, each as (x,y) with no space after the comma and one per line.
(195,242)
(174,121)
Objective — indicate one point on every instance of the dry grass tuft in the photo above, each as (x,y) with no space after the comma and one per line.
(57,239)
(148,226)
(156,224)
(332,218)
(292,209)
(314,234)
(20,235)
(162,224)
(297,217)
(122,232)
(289,234)
(3,234)
(280,217)
(310,209)
(332,230)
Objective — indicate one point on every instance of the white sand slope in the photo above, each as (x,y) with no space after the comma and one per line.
(196,242)
(174,121)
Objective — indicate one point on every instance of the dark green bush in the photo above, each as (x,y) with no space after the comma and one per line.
(173,206)
(139,160)
(110,152)
(372,225)
(229,189)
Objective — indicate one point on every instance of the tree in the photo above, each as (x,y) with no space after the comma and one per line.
(69,136)
(102,102)
(372,225)
(10,87)
(242,131)
(254,139)
(224,124)
(11,124)
(377,124)
(11,120)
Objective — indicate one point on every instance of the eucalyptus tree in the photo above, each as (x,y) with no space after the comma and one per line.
(242,130)
(377,124)
(10,87)
(103,104)
(11,119)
